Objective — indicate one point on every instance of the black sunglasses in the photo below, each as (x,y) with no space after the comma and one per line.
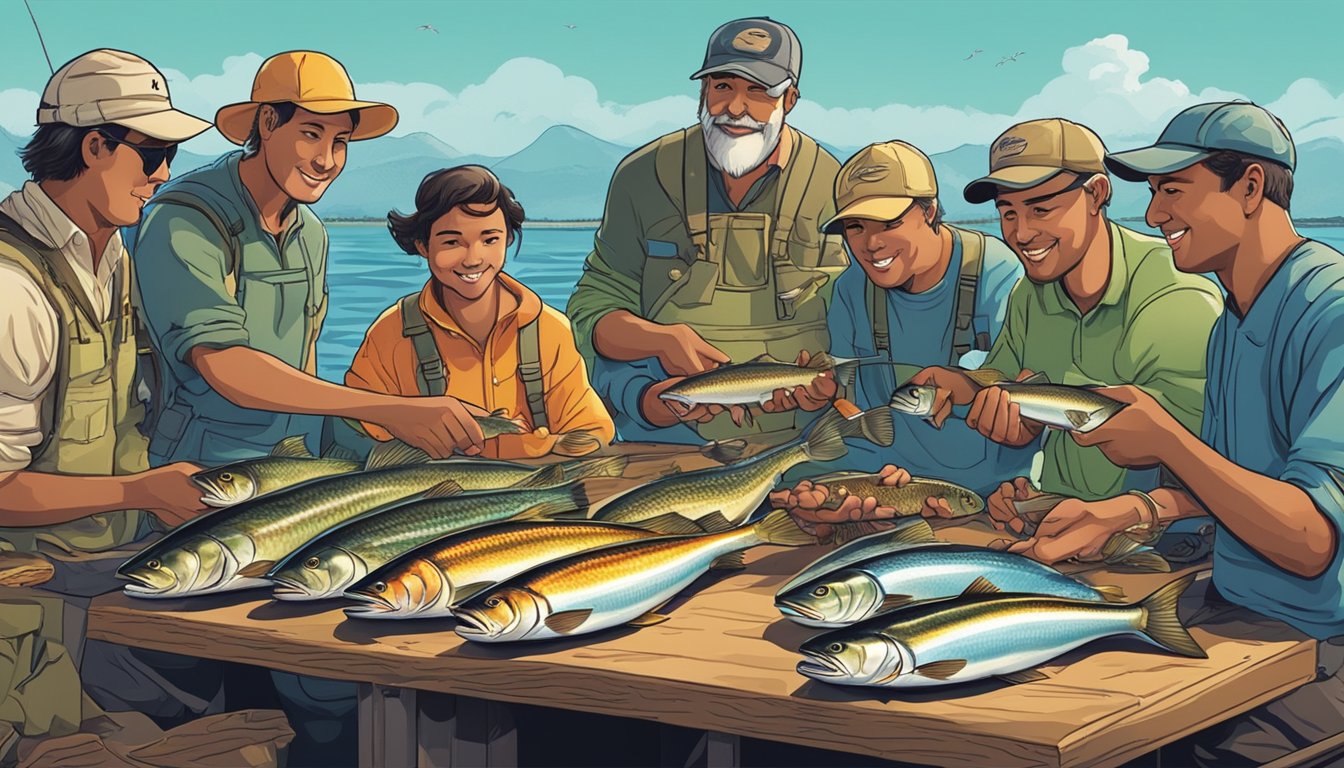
(150,157)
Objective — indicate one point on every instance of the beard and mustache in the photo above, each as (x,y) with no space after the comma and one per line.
(739,155)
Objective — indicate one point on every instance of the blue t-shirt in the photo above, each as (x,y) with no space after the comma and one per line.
(1273,404)
(920,330)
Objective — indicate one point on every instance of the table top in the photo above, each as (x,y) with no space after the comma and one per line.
(725,661)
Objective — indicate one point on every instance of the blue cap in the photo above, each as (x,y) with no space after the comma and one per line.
(1200,131)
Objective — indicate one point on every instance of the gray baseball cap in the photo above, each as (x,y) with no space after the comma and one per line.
(758,48)
(1202,130)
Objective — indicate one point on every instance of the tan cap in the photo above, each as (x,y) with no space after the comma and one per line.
(881,182)
(107,86)
(315,82)
(1030,153)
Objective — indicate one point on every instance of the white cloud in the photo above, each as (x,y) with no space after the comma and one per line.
(18,110)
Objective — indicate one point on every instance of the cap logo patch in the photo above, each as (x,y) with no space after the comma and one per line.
(754,40)
(1010,146)
(154,85)
(868,173)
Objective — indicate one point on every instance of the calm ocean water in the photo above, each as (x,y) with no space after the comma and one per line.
(368,273)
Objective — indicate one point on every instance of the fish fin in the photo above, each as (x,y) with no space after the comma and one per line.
(1038,377)
(1162,626)
(340,453)
(565,622)
(467,591)
(257,569)
(874,425)
(545,510)
(1039,504)
(606,466)
(292,447)
(648,619)
(1077,418)
(940,670)
(1110,593)
(714,522)
(766,358)
(443,490)
(892,602)
(987,377)
(729,562)
(724,451)
(844,372)
(1023,676)
(545,477)
(502,413)
(670,523)
(846,409)
(821,361)
(577,443)
(394,453)
(778,528)
(1146,561)
(916,532)
(981,586)
(825,439)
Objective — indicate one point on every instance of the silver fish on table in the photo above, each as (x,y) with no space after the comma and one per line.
(978,636)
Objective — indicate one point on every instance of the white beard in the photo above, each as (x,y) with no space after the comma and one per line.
(739,155)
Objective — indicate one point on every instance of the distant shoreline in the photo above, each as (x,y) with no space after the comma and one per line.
(340,221)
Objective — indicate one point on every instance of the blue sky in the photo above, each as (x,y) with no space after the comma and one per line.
(497,73)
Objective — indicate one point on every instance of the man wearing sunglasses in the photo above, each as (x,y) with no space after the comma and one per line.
(1101,305)
(73,466)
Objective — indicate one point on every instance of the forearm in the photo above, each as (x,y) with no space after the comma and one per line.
(624,336)
(34,499)
(1276,519)
(252,379)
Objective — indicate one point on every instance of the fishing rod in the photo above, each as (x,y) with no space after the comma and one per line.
(40,41)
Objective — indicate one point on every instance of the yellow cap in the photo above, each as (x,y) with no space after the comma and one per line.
(1030,153)
(881,182)
(315,82)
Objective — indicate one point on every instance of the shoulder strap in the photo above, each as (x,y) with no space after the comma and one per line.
(793,188)
(877,311)
(964,337)
(529,370)
(679,162)
(230,229)
(431,376)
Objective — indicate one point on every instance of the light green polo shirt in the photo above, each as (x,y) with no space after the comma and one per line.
(1150,329)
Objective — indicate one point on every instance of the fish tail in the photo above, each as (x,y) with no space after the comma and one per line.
(572,498)
(826,440)
(1146,561)
(1110,593)
(875,426)
(844,372)
(545,477)
(607,466)
(778,528)
(1162,626)
(577,443)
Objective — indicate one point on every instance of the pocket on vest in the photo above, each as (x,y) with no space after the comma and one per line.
(83,421)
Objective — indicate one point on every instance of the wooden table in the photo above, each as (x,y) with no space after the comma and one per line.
(725,664)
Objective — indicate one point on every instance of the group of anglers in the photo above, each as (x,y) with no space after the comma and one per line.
(736,238)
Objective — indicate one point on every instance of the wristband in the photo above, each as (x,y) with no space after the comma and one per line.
(1151,528)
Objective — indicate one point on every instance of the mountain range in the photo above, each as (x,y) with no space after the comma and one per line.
(564,173)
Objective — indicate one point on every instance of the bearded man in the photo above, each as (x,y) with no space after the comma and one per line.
(710,251)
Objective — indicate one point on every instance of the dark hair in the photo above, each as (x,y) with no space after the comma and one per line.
(442,191)
(55,151)
(1230,166)
(284,112)
(925,203)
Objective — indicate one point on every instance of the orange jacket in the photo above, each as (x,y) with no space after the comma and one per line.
(488,377)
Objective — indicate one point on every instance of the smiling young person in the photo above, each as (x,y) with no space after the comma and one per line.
(474,332)
(1101,305)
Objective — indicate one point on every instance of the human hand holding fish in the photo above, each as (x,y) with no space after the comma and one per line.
(995,415)
(813,396)
(1142,434)
(1079,530)
(821,508)
(948,387)
(168,492)
(436,425)
(1003,510)
(664,412)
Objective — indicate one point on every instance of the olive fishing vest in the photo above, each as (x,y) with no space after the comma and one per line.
(90,415)
(749,283)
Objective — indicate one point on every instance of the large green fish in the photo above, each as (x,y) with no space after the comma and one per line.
(735,491)
(983,634)
(290,463)
(429,580)
(232,548)
(612,585)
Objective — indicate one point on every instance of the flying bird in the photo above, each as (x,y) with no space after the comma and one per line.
(974,53)
(428,27)
(1009,59)
(571,26)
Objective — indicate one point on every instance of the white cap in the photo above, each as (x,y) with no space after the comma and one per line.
(107,86)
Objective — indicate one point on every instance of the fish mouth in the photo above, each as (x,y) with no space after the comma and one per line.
(681,399)
(471,625)
(369,607)
(288,589)
(797,611)
(140,589)
(819,665)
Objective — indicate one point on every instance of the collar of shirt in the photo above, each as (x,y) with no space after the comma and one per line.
(293,223)
(1264,314)
(1057,301)
(32,208)
(527,309)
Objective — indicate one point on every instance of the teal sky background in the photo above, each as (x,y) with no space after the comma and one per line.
(858,54)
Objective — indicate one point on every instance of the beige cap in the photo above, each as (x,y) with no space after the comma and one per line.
(107,86)
(315,82)
(881,182)
(1030,153)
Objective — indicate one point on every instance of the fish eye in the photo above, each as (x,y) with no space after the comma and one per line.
(153,565)
(379,586)
(226,477)
(835,647)
(493,602)
(312,562)
(821,591)
(967,500)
